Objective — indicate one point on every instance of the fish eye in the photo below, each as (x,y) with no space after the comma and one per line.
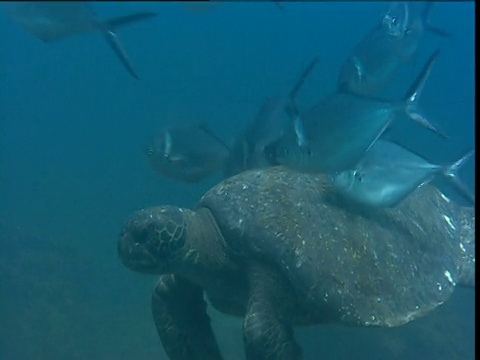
(358,176)
(284,151)
(391,22)
(306,150)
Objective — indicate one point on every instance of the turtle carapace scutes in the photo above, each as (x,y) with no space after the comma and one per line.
(282,249)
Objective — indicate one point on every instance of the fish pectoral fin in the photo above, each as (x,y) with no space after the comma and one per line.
(429,27)
(436,30)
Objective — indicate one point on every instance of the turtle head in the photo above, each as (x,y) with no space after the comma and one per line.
(152,239)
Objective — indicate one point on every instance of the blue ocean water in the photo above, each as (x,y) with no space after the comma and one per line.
(73,124)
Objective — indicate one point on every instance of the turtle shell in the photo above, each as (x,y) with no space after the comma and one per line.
(361,266)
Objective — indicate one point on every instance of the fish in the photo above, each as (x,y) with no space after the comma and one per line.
(265,128)
(389,173)
(51,20)
(336,132)
(199,7)
(377,58)
(205,6)
(396,20)
(187,153)
(278,4)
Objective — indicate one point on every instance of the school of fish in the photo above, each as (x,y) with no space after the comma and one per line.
(342,135)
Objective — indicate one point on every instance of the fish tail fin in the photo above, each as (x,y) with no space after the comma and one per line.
(120,21)
(451,173)
(107,27)
(429,27)
(413,94)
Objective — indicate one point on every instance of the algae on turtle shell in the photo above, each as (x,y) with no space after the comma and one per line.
(281,248)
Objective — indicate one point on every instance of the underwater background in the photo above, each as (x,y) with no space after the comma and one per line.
(73,125)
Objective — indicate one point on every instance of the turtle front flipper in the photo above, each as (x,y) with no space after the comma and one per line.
(180,316)
(267,328)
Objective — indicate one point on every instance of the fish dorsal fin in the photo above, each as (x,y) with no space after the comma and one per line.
(433,29)
(413,94)
(417,86)
(308,69)
(206,128)
(451,173)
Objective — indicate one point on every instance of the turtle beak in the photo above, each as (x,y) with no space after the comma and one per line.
(135,256)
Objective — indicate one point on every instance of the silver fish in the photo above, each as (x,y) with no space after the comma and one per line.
(389,173)
(396,20)
(52,20)
(380,54)
(188,153)
(340,129)
(248,151)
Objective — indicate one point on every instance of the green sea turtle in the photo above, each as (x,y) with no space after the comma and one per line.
(280,249)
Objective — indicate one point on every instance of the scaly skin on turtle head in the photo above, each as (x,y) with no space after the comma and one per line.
(152,239)
(167,239)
